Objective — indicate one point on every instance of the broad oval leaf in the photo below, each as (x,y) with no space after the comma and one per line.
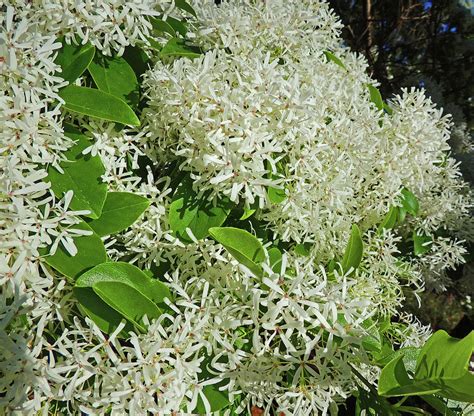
(115,76)
(177,25)
(90,252)
(127,301)
(410,202)
(242,245)
(184,5)
(121,209)
(137,59)
(197,214)
(98,104)
(104,316)
(354,250)
(127,290)
(178,47)
(82,174)
(442,368)
(162,26)
(74,60)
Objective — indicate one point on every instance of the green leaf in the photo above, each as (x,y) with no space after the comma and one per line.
(275,195)
(331,57)
(421,243)
(217,399)
(375,96)
(373,404)
(177,47)
(410,202)
(442,367)
(177,25)
(105,317)
(387,109)
(90,252)
(162,26)
(98,104)
(127,290)
(197,214)
(137,59)
(74,60)
(440,405)
(303,249)
(390,219)
(248,212)
(242,245)
(275,257)
(115,76)
(184,5)
(355,247)
(372,341)
(82,174)
(121,209)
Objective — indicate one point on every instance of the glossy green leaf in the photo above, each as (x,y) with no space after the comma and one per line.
(421,243)
(184,5)
(376,97)
(104,316)
(442,367)
(217,399)
(90,252)
(126,300)
(178,47)
(121,209)
(197,214)
(137,59)
(354,250)
(371,404)
(98,104)
(127,290)
(410,202)
(115,76)
(390,219)
(162,26)
(242,245)
(82,174)
(275,195)
(275,257)
(372,341)
(74,60)
(248,212)
(177,25)
(331,57)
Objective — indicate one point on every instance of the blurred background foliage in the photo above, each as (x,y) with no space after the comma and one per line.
(428,44)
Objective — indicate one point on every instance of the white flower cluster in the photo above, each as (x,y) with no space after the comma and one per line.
(262,107)
(266,108)
(109,25)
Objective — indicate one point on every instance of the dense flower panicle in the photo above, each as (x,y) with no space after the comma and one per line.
(262,107)
(109,25)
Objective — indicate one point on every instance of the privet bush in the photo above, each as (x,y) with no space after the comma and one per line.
(212,209)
